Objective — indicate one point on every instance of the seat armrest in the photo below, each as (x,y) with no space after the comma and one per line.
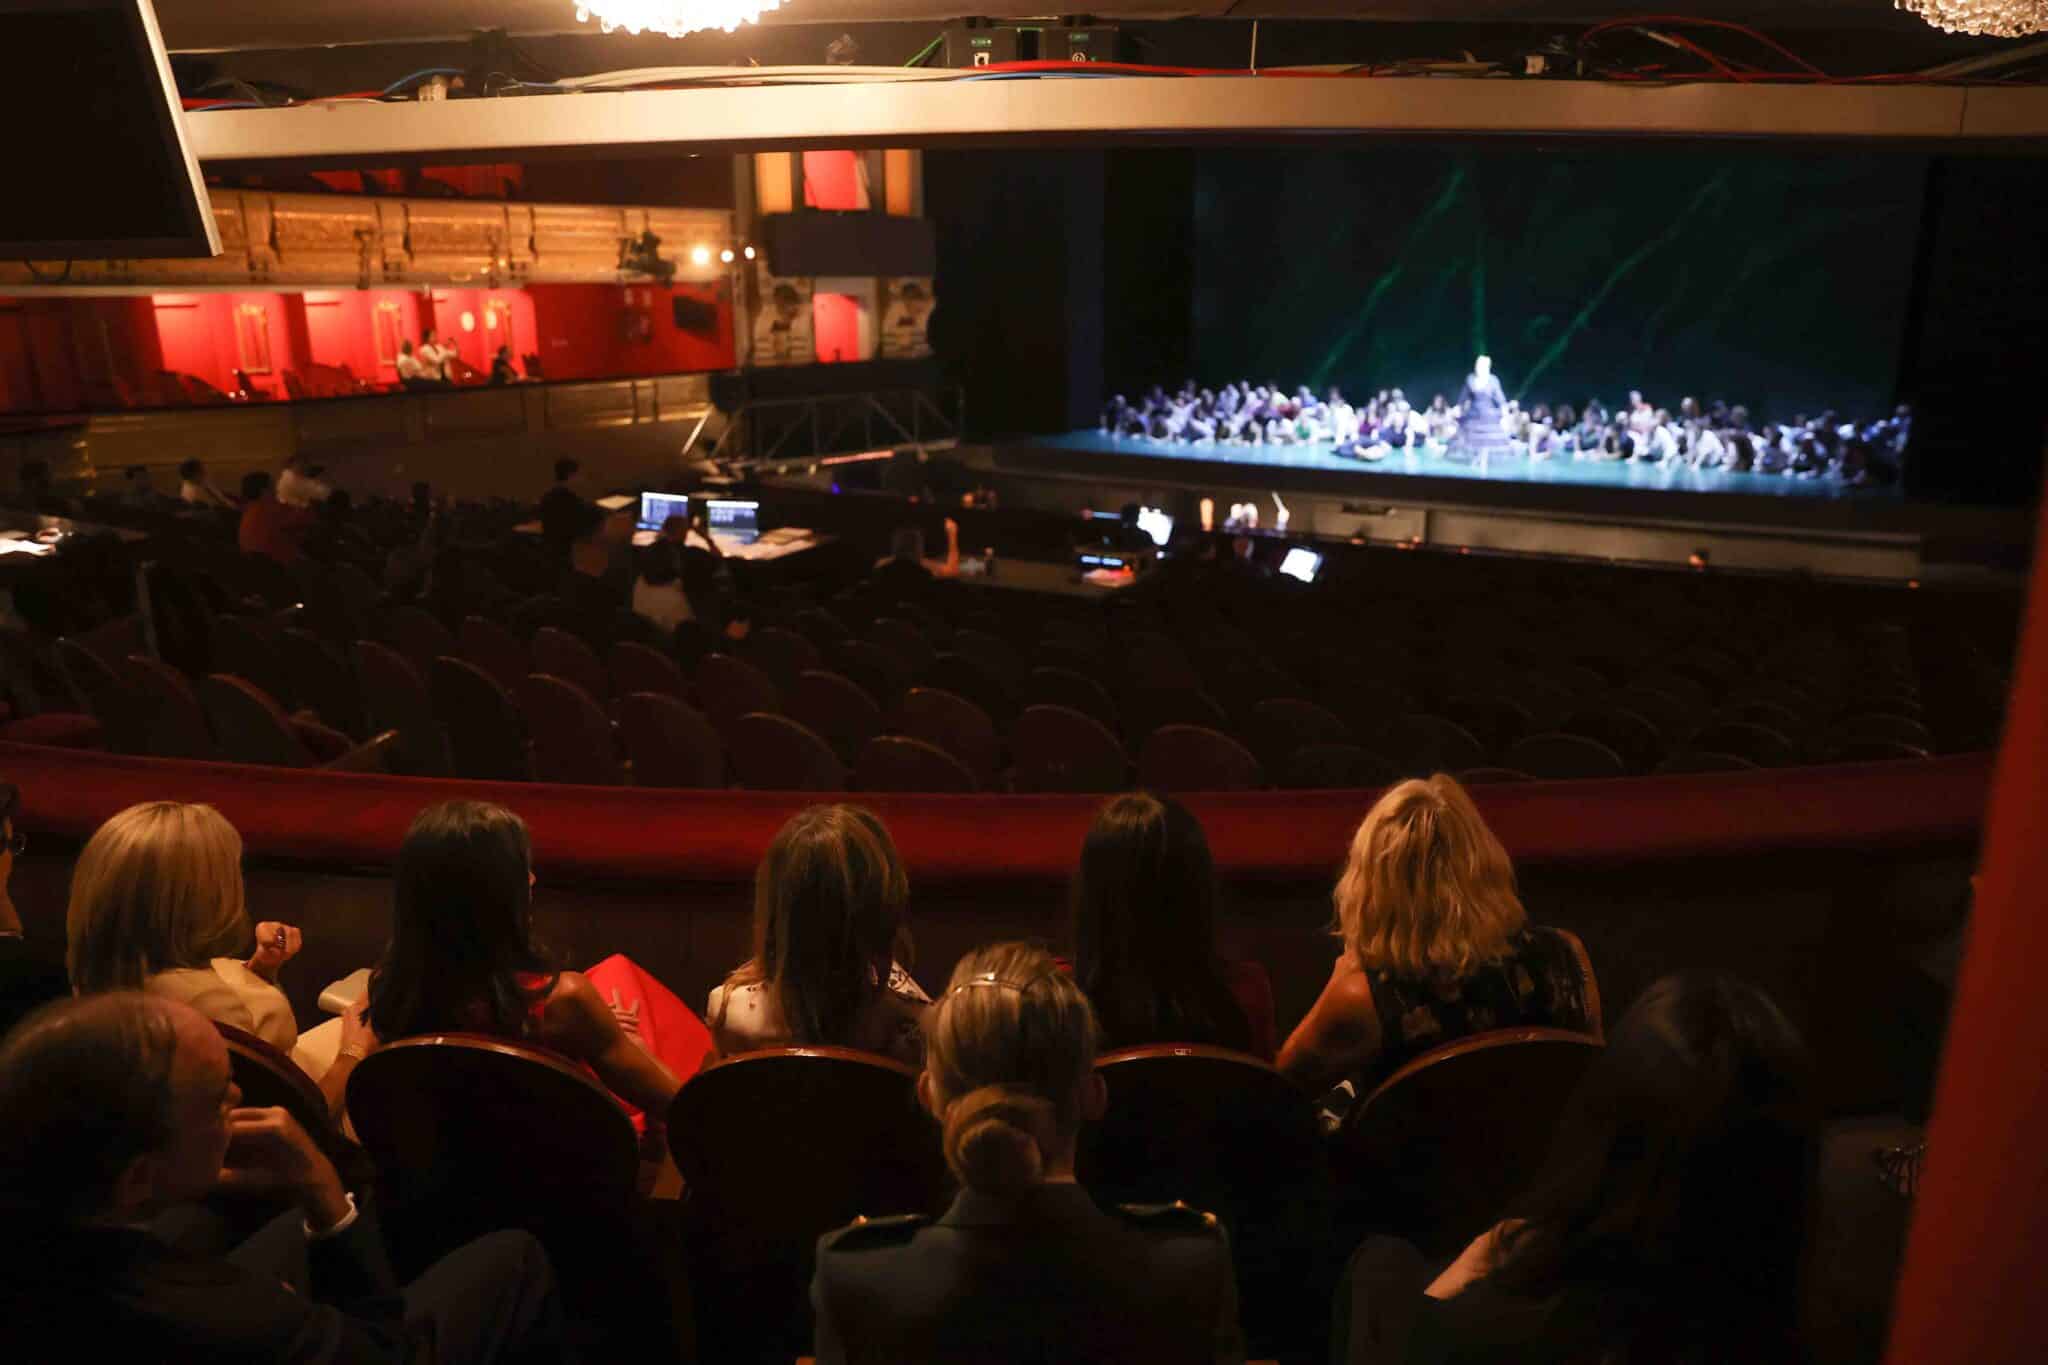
(371,756)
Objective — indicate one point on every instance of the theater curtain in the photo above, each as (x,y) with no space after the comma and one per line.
(1970,1291)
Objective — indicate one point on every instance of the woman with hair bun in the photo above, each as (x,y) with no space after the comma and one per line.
(1023,1266)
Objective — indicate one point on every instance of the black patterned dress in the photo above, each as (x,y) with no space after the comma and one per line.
(1538,983)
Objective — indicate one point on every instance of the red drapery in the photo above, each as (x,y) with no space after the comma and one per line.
(1974,1269)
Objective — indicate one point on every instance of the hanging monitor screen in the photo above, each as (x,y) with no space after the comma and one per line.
(98,167)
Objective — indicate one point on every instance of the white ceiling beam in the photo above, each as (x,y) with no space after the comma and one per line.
(1139,109)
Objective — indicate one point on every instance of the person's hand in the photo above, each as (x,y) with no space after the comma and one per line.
(628,1017)
(358,1039)
(269,1153)
(276,944)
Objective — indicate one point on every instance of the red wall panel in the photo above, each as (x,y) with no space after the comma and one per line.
(603,331)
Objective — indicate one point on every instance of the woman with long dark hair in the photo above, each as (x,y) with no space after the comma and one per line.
(463,958)
(1144,912)
(1666,1226)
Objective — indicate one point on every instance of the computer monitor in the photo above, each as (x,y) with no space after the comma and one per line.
(1156,524)
(657,508)
(733,519)
(1301,563)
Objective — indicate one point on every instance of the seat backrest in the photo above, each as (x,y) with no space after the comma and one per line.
(322,681)
(989,650)
(174,724)
(572,739)
(247,725)
(1059,749)
(904,640)
(396,699)
(774,753)
(1881,727)
(123,719)
(1145,709)
(494,649)
(1705,761)
(781,654)
(955,724)
(670,744)
(1635,741)
(1280,725)
(559,654)
(1192,758)
(821,628)
(874,670)
(1232,1136)
(1557,756)
(1053,686)
(761,1185)
(637,668)
(1422,744)
(1759,744)
(466,1117)
(898,763)
(486,738)
(1493,777)
(1337,766)
(419,635)
(834,709)
(268,1079)
(249,650)
(1874,751)
(975,681)
(1443,1144)
(728,688)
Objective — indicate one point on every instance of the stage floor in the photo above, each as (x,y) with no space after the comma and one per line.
(1613,475)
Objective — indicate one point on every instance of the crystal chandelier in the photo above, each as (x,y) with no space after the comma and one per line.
(672,17)
(1990,18)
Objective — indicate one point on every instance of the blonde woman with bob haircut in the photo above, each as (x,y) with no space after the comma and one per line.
(1436,946)
(1024,1266)
(831,946)
(157,905)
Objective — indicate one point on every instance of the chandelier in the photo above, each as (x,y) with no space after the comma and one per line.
(1990,18)
(672,17)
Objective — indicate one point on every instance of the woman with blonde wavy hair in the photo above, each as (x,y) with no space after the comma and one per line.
(1436,946)
(157,905)
(1024,1266)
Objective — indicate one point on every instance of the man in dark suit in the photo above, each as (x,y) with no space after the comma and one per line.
(115,1107)
(563,512)
(1048,1276)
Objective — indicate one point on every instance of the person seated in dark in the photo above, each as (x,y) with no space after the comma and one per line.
(37,494)
(31,969)
(334,538)
(1668,1223)
(502,369)
(137,493)
(1144,910)
(587,587)
(563,510)
(268,527)
(1436,946)
(117,1107)
(906,572)
(1024,1266)
(196,490)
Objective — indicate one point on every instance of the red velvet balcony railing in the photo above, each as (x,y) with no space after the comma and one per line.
(685,836)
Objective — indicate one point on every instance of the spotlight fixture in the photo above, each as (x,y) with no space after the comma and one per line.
(700,255)
(1988,18)
(748,253)
(672,17)
(726,256)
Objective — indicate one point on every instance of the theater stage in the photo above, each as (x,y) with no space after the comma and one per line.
(1556,472)
(1617,510)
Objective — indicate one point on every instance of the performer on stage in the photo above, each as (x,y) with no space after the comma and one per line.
(1480,405)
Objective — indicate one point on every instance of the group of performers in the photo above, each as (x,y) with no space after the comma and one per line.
(1485,423)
